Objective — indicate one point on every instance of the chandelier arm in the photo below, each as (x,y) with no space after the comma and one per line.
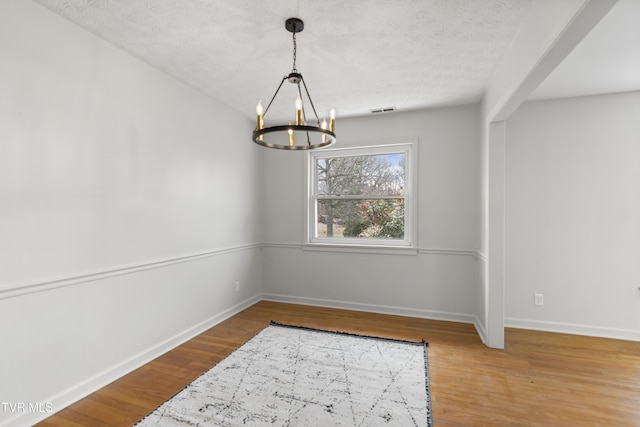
(304,114)
(274,96)
(308,139)
(310,100)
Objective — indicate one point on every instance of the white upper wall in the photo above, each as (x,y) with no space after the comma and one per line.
(439,281)
(447,175)
(107,161)
(572,209)
(107,165)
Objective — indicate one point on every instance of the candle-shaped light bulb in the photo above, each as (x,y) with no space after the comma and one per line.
(332,119)
(290,131)
(298,111)
(259,113)
(323,126)
(259,120)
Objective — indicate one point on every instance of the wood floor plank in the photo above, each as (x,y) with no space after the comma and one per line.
(540,379)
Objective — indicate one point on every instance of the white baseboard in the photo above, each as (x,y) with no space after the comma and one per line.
(480,329)
(573,328)
(372,308)
(83,389)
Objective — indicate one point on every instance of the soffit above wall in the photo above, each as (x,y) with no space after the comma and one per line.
(607,60)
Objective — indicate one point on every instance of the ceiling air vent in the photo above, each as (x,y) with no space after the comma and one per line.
(383,110)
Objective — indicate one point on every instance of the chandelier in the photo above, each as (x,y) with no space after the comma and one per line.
(301,135)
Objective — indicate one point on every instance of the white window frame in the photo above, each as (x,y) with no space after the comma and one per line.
(409,149)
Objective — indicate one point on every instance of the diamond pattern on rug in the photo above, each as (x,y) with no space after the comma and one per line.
(290,376)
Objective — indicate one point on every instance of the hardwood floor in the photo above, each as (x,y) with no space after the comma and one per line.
(540,379)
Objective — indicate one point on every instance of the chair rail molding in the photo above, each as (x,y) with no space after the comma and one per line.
(85,277)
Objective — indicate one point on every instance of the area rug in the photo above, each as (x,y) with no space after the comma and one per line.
(294,376)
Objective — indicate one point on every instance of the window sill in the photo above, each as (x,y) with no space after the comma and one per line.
(360,249)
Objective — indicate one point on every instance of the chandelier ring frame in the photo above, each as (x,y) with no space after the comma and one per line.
(258,133)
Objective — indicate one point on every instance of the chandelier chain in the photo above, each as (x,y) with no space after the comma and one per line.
(294,70)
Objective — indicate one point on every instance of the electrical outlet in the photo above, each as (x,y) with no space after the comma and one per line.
(538,299)
(237,285)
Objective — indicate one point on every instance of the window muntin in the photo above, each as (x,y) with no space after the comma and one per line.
(361,196)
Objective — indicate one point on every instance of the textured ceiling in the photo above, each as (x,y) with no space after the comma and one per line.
(354,55)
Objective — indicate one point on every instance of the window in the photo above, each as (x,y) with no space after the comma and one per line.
(361,196)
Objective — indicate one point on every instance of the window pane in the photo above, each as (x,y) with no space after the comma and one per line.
(375,175)
(361,219)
